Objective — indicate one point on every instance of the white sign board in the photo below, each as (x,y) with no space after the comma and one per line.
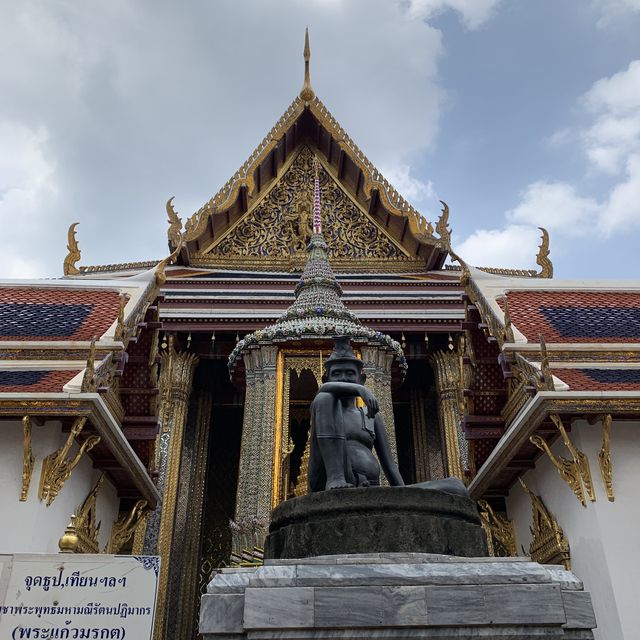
(79,596)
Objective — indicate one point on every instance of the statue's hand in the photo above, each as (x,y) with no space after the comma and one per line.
(370,402)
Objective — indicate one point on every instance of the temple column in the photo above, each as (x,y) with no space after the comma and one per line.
(176,377)
(377,368)
(257,453)
(182,589)
(446,367)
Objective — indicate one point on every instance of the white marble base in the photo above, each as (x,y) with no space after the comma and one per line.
(397,596)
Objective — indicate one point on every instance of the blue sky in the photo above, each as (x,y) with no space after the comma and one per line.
(518,113)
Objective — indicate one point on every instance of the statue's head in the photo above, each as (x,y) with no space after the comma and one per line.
(342,365)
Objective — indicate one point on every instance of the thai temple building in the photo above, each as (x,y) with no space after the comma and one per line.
(162,407)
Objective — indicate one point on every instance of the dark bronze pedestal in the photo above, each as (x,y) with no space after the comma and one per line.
(375,520)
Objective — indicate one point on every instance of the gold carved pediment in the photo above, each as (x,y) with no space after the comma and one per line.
(277,228)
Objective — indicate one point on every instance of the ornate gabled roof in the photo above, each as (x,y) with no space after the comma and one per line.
(307,121)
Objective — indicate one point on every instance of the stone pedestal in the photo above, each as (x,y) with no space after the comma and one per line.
(375,519)
(396,596)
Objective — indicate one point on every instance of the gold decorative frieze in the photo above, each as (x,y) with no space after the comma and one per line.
(500,532)
(57,467)
(124,528)
(27,458)
(549,544)
(280,225)
(604,457)
(86,525)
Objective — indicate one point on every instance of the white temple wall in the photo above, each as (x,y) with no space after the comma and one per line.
(603,536)
(31,526)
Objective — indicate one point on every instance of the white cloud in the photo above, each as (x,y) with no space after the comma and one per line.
(412,188)
(611,142)
(474,13)
(614,104)
(142,101)
(26,187)
(622,210)
(612,10)
(513,247)
(555,206)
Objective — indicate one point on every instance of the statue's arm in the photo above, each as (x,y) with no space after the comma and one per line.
(388,464)
(352,390)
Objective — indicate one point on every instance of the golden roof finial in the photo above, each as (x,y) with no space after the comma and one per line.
(174,232)
(69,266)
(542,259)
(307,93)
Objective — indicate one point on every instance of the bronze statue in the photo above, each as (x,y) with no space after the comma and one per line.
(344,435)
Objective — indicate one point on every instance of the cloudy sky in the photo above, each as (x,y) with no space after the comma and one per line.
(518,113)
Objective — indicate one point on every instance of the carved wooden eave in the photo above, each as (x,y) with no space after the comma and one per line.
(310,124)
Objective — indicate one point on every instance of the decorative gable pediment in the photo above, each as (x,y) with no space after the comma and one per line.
(276,230)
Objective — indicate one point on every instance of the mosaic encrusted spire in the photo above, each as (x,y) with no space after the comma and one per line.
(317,218)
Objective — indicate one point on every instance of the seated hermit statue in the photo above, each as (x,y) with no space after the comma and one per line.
(344,435)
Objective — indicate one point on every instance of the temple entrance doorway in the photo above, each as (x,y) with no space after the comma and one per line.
(421,446)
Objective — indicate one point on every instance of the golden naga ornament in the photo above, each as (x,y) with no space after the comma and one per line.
(579,458)
(545,367)
(57,467)
(174,233)
(507,332)
(69,266)
(604,457)
(161,276)
(442,225)
(124,528)
(566,468)
(120,327)
(549,544)
(86,524)
(89,379)
(500,532)
(27,458)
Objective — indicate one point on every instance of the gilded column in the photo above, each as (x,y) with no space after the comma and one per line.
(377,368)
(183,580)
(446,367)
(257,454)
(176,377)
